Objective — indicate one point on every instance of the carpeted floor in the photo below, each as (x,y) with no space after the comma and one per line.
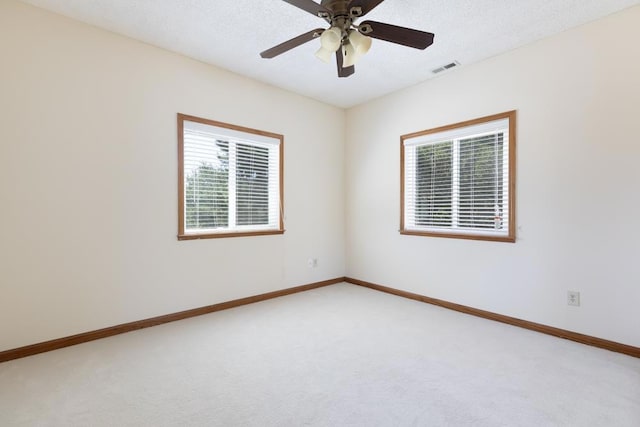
(335,356)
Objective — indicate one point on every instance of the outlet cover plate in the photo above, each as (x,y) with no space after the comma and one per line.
(573,298)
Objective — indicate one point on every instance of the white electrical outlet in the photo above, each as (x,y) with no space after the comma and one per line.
(573,298)
(312,262)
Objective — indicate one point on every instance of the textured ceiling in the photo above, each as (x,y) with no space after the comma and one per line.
(231,33)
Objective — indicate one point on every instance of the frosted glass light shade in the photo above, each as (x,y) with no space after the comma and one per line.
(349,55)
(324,54)
(331,39)
(361,43)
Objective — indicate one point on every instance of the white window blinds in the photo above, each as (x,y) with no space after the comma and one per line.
(456,181)
(231,180)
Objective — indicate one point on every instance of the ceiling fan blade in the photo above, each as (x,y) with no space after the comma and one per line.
(310,6)
(290,44)
(343,71)
(366,5)
(394,34)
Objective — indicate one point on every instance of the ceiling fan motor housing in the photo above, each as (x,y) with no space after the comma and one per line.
(341,15)
(338,7)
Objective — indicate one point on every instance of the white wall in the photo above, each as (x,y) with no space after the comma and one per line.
(88,182)
(578,204)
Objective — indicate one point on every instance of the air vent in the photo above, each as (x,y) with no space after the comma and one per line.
(446,67)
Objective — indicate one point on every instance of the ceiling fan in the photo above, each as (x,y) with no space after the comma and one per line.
(348,40)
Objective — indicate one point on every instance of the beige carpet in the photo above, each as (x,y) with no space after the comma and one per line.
(336,356)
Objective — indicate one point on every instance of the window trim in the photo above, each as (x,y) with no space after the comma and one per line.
(511,236)
(182,235)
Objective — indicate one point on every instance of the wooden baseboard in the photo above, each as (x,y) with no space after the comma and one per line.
(549,330)
(42,347)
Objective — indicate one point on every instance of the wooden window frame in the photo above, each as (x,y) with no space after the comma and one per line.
(182,235)
(511,236)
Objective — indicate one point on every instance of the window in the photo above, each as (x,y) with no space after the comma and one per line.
(230,180)
(459,181)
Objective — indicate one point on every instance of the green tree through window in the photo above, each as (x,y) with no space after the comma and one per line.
(434,183)
(207,193)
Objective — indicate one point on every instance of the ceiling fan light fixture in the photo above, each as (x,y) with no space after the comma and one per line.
(353,40)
